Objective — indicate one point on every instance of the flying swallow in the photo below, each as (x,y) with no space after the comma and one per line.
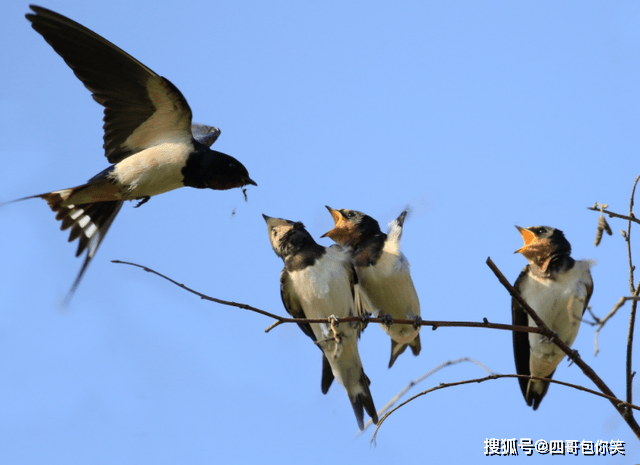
(147,136)
(318,282)
(558,288)
(383,271)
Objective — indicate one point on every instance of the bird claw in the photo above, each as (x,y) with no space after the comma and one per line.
(388,320)
(574,356)
(333,323)
(417,320)
(143,200)
(364,318)
(553,337)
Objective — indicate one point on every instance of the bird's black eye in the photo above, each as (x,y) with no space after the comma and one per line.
(350,215)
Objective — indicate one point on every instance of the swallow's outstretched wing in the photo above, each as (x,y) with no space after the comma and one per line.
(141,109)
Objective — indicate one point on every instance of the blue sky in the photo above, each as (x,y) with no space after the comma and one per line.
(478,115)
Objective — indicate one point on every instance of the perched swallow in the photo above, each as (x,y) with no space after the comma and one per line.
(383,271)
(147,136)
(558,288)
(318,282)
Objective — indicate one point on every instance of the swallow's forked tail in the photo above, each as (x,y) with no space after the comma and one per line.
(327,375)
(89,222)
(536,390)
(363,401)
(398,348)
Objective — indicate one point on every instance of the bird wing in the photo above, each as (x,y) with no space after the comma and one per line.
(204,134)
(292,303)
(294,308)
(141,109)
(521,348)
(360,302)
(589,287)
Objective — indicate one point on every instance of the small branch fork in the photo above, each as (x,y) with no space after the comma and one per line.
(627,414)
(601,322)
(418,380)
(613,400)
(624,408)
(602,208)
(634,304)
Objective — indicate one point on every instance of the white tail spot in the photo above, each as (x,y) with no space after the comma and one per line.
(85,220)
(76,214)
(90,231)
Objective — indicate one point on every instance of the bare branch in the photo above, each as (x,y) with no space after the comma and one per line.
(601,322)
(202,296)
(280,319)
(629,373)
(627,236)
(634,305)
(611,214)
(620,404)
(419,380)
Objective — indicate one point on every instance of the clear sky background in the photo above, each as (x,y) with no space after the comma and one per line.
(478,115)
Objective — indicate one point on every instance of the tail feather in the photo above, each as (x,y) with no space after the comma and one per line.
(394,231)
(363,401)
(536,390)
(327,375)
(415,345)
(397,349)
(367,399)
(88,222)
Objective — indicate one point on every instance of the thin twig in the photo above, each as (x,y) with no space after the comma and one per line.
(630,373)
(601,322)
(634,304)
(280,319)
(202,296)
(596,320)
(614,400)
(628,236)
(614,215)
(416,381)
(572,354)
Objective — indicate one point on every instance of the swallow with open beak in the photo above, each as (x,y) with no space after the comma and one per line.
(318,282)
(385,286)
(147,136)
(558,289)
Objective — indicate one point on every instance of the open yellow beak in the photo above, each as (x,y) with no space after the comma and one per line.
(528,237)
(339,221)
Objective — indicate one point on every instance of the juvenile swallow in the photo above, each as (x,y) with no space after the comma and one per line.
(386,286)
(318,282)
(558,288)
(147,136)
